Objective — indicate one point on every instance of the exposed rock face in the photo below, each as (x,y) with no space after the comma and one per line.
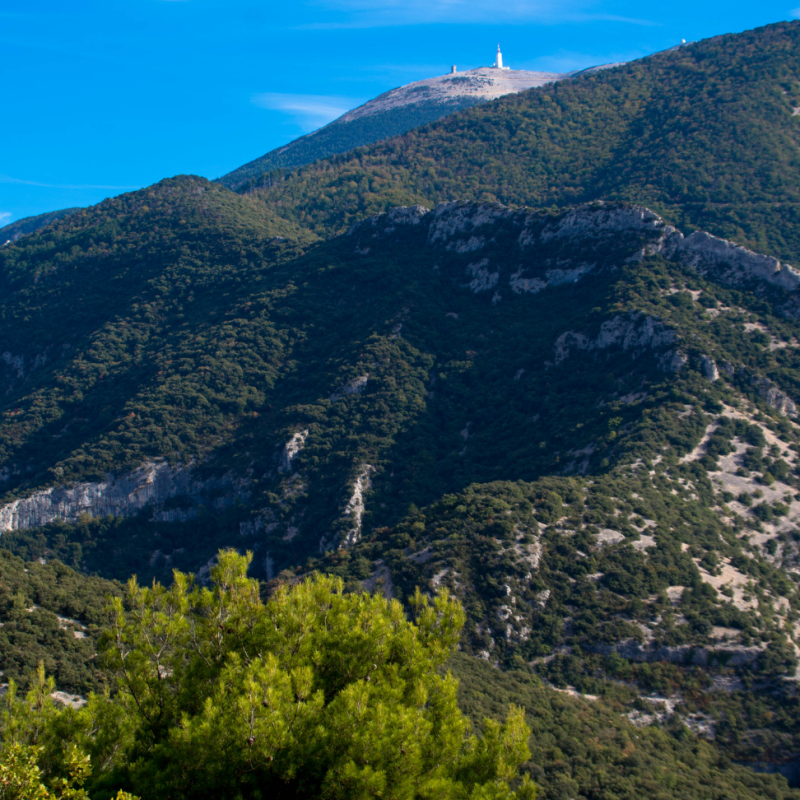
(355,505)
(462,228)
(597,218)
(734,263)
(483,279)
(380,581)
(520,285)
(774,397)
(291,449)
(354,386)
(451,219)
(484,83)
(552,277)
(392,219)
(635,333)
(120,496)
(709,367)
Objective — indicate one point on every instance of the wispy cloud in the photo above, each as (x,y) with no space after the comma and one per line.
(795,13)
(5,218)
(380,13)
(9,179)
(310,111)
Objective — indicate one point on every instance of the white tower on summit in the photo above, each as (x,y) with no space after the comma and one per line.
(499,63)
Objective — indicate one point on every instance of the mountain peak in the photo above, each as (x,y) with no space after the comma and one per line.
(483,83)
(397,111)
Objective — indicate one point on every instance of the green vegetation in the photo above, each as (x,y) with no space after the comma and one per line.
(12,231)
(313,694)
(588,443)
(704,134)
(339,137)
(583,749)
(135,282)
(51,614)
(478,441)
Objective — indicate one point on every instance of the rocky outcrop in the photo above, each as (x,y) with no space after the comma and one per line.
(391,220)
(483,279)
(764,387)
(291,449)
(704,251)
(150,485)
(632,333)
(709,368)
(354,386)
(380,581)
(731,262)
(597,218)
(552,277)
(483,83)
(354,510)
(453,220)
(774,397)
(611,228)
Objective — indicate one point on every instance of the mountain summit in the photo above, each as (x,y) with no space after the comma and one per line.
(395,112)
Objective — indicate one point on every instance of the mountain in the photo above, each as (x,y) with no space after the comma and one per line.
(578,417)
(706,135)
(391,114)
(581,422)
(12,231)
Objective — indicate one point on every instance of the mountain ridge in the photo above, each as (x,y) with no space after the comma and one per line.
(579,420)
(657,132)
(392,113)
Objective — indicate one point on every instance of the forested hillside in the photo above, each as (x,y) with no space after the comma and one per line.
(576,422)
(339,137)
(391,114)
(52,614)
(706,135)
(580,422)
(12,231)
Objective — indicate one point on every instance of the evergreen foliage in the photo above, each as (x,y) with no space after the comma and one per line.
(704,134)
(339,137)
(12,231)
(313,694)
(550,427)
(53,615)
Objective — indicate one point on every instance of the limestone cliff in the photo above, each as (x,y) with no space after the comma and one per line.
(122,496)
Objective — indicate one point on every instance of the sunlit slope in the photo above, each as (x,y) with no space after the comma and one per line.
(705,134)
(390,114)
(12,231)
(581,422)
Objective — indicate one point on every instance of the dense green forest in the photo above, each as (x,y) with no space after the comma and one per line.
(189,676)
(573,424)
(14,230)
(316,693)
(339,137)
(705,134)
(52,614)
(571,513)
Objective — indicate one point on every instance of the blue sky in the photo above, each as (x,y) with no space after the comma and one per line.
(103,97)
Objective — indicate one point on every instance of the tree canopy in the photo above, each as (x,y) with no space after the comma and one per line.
(314,693)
